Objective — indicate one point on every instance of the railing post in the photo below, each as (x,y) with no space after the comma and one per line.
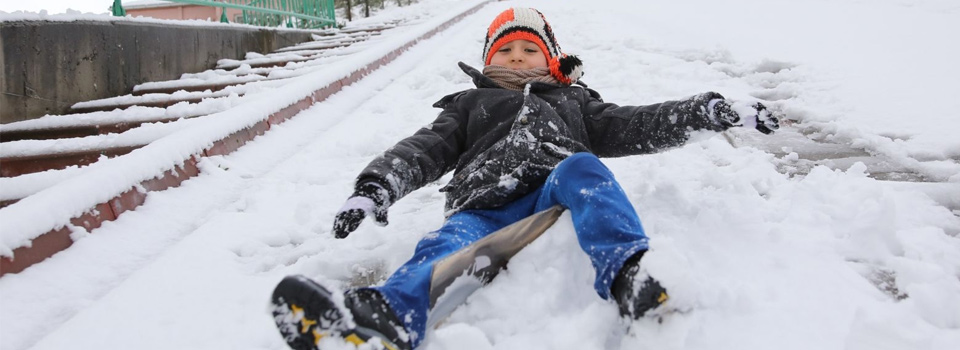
(332,12)
(283,5)
(223,15)
(118,9)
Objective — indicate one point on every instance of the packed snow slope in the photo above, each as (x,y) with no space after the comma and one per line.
(754,258)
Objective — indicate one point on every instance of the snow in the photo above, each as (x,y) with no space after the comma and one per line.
(181,95)
(89,7)
(131,114)
(135,137)
(758,248)
(182,83)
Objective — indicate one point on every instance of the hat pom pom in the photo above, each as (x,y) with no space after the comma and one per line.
(566,68)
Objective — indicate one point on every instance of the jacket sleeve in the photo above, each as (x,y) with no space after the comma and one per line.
(616,131)
(421,158)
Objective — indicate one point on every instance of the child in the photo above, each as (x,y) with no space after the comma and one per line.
(525,139)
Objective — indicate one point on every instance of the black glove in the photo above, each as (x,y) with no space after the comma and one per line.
(767,123)
(370,198)
(725,115)
(762,119)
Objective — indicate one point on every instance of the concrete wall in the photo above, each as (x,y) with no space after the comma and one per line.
(49,66)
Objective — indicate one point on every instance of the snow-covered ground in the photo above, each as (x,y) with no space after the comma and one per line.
(754,258)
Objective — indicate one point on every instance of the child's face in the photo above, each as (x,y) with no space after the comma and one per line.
(519,54)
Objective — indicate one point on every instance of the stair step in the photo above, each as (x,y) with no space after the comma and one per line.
(171,86)
(77,131)
(19,165)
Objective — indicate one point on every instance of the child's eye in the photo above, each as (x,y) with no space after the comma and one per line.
(504,50)
(531,50)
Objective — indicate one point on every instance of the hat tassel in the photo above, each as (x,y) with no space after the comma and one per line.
(566,68)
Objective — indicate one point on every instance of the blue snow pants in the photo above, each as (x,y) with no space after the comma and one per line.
(607,226)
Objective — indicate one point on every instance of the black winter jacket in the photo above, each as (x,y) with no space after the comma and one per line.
(502,144)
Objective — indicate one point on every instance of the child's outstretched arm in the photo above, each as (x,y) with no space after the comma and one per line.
(616,131)
(410,164)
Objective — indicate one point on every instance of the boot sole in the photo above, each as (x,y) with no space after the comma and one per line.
(304,312)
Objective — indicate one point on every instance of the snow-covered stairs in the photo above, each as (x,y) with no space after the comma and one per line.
(91,130)
(163,128)
(99,128)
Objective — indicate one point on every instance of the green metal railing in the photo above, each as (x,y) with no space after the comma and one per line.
(268,13)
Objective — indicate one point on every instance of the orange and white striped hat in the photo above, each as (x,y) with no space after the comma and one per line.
(529,24)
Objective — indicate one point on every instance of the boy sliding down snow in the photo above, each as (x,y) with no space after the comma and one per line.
(526,139)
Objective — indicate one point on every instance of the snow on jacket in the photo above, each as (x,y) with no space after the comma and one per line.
(502,144)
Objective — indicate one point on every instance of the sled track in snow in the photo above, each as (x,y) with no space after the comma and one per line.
(169,162)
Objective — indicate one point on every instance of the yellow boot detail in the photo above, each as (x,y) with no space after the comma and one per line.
(316,336)
(663,297)
(305,325)
(354,339)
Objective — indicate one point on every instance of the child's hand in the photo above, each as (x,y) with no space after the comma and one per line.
(767,123)
(760,118)
(369,199)
(723,114)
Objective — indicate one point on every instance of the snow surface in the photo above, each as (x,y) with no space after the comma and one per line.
(753,258)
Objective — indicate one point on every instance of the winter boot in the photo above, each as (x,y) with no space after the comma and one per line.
(636,292)
(305,312)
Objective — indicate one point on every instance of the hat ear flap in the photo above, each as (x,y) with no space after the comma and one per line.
(566,68)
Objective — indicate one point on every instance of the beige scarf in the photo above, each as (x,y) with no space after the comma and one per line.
(517,79)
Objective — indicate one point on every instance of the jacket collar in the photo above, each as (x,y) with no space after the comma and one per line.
(482,81)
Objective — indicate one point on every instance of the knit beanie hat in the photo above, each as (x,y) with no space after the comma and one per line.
(529,24)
